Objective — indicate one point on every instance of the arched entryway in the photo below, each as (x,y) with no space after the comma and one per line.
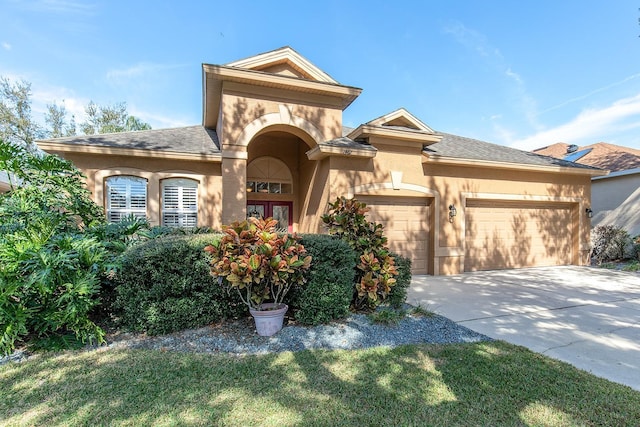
(269,185)
(279,176)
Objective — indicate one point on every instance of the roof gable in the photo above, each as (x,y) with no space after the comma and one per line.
(284,61)
(401,118)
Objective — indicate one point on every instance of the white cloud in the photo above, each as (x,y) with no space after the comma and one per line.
(478,43)
(43,96)
(159,121)
(589,126)
(138,70)
(593,92)
(62,6)
(6,46)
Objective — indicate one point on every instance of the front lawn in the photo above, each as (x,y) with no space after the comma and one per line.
(488,383)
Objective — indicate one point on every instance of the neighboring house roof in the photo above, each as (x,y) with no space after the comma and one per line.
(190,139)
(601,155)
(459,147)
(4,182)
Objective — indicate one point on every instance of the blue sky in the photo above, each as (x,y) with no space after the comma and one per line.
(518,73)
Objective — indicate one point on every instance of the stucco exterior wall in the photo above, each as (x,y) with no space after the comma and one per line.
(610,192)
(208,175)
(454,185)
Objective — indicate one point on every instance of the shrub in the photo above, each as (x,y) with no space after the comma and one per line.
(376,271)
(329,289)
(609,243)
(49,265)
(259,263)
(164,285)
(398,294)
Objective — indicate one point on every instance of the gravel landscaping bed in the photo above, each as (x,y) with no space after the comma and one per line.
(238,337)
(358,331)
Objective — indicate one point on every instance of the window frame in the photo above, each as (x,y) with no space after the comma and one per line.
(184,216)
(129,199)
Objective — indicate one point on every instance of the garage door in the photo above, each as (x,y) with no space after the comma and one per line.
(406,226)
(501,235)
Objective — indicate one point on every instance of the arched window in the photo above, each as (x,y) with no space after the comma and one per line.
(268,175)
(126,195)
(179,202)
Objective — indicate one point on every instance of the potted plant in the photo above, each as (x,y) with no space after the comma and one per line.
(262,266)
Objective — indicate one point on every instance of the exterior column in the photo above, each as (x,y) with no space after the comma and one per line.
(234,184)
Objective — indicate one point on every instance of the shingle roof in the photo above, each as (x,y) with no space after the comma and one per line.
(602,155)
(349,143)
(472,149)
(190,139)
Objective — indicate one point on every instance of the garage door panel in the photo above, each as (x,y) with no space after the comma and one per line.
(406,226)
(505,235)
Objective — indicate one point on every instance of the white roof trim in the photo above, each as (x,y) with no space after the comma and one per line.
(285,54)
(401,113)
(618,173)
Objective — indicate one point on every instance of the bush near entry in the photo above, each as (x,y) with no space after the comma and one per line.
(327,294)
(164,286)
(376,271)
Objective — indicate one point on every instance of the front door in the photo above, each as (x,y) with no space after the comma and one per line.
(280,211)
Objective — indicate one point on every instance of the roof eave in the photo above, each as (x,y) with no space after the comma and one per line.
(221,73)
(443,160)
(133,152)
(322,151)
(365,131)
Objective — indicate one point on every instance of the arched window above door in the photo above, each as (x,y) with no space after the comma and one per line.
(269,175)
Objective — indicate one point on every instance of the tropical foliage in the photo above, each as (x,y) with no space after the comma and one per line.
(49,266)
(376,271)
(259,263)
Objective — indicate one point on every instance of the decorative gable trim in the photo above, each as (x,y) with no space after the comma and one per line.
(284,55)
(401,118)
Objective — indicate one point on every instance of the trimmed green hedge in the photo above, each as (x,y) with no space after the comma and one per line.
(329,289)
(398,294)
(164,285)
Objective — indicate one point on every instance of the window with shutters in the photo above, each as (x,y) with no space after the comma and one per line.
(126,195)
(179,202)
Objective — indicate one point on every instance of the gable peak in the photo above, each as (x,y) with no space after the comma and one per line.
(284,61)
(401,118)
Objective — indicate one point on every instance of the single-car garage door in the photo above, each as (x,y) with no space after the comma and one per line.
(406,226)
(501,235)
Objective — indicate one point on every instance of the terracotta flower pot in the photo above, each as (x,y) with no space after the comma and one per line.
(269,319)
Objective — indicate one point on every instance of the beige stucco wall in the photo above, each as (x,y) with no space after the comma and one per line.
(451,184)
(250,116)
(208,174)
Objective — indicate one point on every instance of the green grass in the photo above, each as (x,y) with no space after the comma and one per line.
(632,266)
(387,316)
(490,383)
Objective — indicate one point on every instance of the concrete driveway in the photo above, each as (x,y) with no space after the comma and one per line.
(585,316)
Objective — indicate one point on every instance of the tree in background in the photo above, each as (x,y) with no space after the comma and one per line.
(18,127)
(110,119)
(16,124)
(56,118)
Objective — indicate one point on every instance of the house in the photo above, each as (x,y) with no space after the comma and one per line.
(4,182)
(272,143)
(615,198)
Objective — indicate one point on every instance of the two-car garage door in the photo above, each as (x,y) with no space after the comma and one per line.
(406,226)
(501,235)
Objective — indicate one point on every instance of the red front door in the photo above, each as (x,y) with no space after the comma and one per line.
(280,211)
